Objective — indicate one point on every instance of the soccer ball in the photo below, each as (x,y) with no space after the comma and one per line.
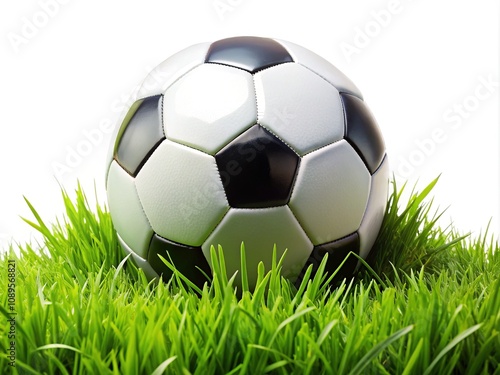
(247,140)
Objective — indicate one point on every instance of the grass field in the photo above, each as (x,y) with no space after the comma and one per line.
(427,302)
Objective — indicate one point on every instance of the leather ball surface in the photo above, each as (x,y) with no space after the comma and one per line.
(251,140)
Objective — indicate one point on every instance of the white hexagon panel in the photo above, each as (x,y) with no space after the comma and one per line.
(182,193)
(260,230)
(209,106)
(330,195)
(126,210)
(304,111)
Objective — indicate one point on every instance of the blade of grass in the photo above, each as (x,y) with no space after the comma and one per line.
(460,337)
(163,366)
(244,274)
(375,351)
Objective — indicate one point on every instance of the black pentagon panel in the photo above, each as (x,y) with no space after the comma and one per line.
(257,170)
(337,252)
(140,133)
(248,53)
(362,131)
(188,260)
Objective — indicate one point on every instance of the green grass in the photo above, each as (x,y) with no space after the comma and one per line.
(427,302)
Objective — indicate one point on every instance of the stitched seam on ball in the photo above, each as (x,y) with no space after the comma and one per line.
(273,66)
(336,88)
(255,90)
(132,251)
(256,99)
(257,106)
(197,247)
(281,139)
(287,49)
(351,143)
(294,183)
(181,76)
(163,90)
(300,225)
(368,199)
(341,238)
(169,86)
(146,97)
(142,208)
(380,165)
(148,156)
(236,208)
(322,147)
(366,209)
(344,115)
(188,146)
(216,225)
(228,66)
(162,117)
(245,70)
(122,166)
(221,184)
(265,127)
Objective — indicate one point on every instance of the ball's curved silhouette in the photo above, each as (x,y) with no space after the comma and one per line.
(251,140)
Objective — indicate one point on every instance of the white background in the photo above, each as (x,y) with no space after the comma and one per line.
(68,66)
